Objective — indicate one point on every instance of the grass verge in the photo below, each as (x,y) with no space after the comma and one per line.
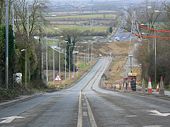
(58,85)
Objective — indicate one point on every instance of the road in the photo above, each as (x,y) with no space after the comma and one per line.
(122,35)
(87,105)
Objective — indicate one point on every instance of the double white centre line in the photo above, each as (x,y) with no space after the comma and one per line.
(85,114)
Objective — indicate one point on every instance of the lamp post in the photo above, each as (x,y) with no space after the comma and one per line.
(91,51)
(6,42)
(59,58)
(53,66)
(75,52)
(88,52)
(73,65)
(59,65)
(65,63)
(28,21)
(13,19)
(69,63)
(155,45)
(25,50)
(70,46)
(46,60)
(131,62)
(41,54)
(76,65)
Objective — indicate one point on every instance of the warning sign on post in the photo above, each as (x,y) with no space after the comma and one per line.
(58,78)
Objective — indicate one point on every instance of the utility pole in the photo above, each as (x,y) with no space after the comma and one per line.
(6,42)
(155,56)
(46,60)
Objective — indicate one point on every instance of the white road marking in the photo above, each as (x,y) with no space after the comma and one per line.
(84,113)
(80,120)
(10,119)
(90,113)
(157,113)
(130,116)
(153,126)
(84,104)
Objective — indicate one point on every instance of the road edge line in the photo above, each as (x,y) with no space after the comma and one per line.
(80,119)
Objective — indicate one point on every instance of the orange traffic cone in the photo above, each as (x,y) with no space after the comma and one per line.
(149,86)
(157,88)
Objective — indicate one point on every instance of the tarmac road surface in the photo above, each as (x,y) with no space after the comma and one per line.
(87,105)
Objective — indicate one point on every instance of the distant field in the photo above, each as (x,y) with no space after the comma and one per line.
(100,21)
(87,16)
(83,28)
(76,27)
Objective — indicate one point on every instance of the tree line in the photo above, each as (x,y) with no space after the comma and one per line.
(28,21)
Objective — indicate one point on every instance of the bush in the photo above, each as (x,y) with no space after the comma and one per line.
(8,94)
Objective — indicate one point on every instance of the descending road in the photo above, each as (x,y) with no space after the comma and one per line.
(87,105)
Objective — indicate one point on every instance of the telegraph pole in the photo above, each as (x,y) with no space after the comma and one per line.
(6,42)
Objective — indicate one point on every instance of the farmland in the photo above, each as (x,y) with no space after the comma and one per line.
(94,22)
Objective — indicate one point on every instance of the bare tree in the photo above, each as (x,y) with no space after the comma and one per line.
(148,14)
(167,10)
(71,37)
(29,13)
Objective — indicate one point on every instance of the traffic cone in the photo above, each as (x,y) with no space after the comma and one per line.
(129,87)
(149,86)
(157,88)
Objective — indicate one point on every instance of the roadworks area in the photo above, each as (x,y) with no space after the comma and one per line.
(114,75)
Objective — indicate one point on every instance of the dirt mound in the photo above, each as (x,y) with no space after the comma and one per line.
(120,51)
(115,48)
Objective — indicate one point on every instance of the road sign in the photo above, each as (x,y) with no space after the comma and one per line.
(58,78)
